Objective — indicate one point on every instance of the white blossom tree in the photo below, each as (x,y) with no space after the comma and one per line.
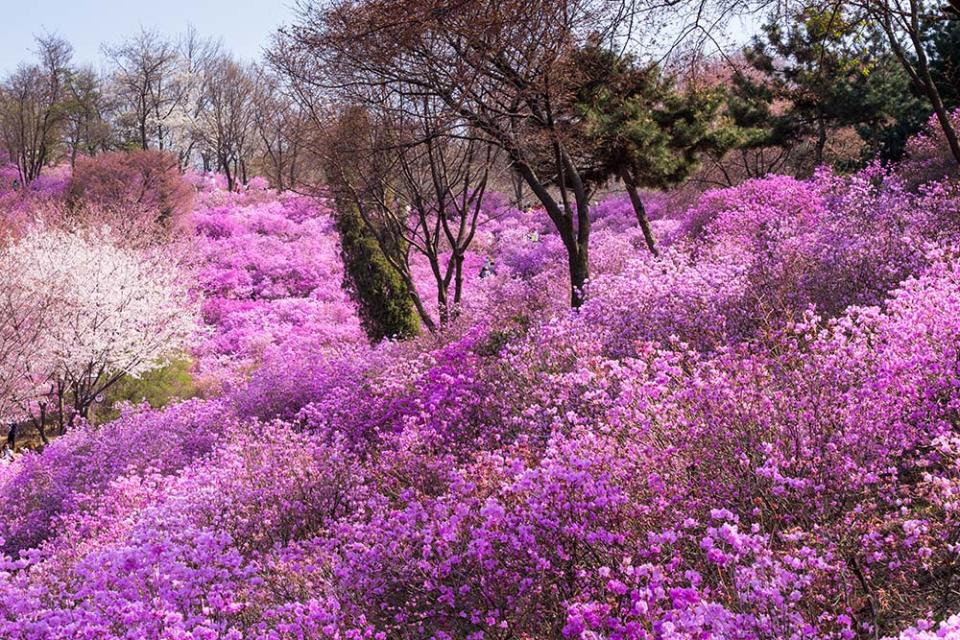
(108,311)
(21,334)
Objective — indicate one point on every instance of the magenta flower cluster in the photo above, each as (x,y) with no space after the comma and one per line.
(269,274)
(756,435)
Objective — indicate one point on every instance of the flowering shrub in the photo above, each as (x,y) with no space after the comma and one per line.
(270,278)
(142,183)
(75,470)
(756,435)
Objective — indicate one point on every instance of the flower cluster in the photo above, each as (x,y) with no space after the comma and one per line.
(756,435)
(270,278)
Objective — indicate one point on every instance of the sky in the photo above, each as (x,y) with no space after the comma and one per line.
(243,26)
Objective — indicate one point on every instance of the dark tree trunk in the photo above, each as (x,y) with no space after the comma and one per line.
(61,409)
(40,422)
(517,181)
(457,285)
(421,309)
(821,140)
(229,174)
(143,127)
(12,436)
(579,263)
(575,234)
(443,304)
(641,212)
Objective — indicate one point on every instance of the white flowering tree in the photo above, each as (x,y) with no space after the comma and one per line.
(21,334)
(108,311)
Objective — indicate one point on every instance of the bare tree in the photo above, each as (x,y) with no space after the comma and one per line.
(32,107)
(417,181)
(504,68)
(226,121)
(280,124)
(146,80)
(87,129)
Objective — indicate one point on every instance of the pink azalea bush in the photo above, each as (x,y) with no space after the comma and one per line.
(270,276)
(928,157)
(144,182)
(754,436)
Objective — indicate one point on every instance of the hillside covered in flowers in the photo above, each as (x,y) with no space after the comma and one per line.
(754,435)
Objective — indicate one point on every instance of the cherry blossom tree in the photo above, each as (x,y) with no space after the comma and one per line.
(105,312)
(21,334)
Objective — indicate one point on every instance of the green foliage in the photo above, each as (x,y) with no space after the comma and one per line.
(944,55)
(157,388)
(637,122)
(383,297)
(383,300)
(826,70)
(906,113)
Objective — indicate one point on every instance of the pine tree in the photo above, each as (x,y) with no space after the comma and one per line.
(639,128)
(944,54)
(825,71)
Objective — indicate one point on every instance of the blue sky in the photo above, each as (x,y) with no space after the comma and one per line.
(244,26)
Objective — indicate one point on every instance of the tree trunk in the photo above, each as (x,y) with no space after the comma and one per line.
(143,132)
(442,304)
(292,171)
(61,417)
(421,309)
(579,264)
(641,212)
(228,174)
(821,141)
(575,240)
(457,285)
(12,436)
(41,424)
(517,180)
